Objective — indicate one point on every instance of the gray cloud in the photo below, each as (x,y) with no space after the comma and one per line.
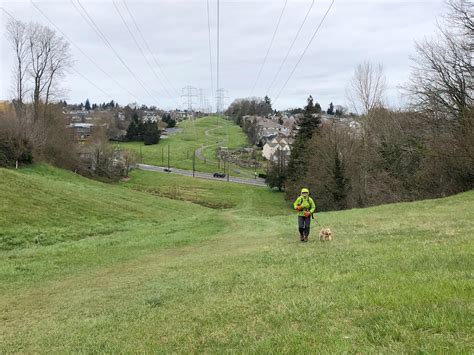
(382,31)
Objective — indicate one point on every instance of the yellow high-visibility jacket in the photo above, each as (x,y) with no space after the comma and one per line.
(307,204)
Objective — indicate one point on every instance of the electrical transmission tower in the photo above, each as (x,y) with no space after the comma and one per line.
(189,93)
(207,105)
(220,100)
(203,102)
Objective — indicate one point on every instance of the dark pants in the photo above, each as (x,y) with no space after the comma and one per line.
(303,225)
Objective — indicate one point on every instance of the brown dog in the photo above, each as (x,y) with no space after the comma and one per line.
(325,234)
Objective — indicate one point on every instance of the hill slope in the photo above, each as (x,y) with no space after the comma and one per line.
(198,134)
(93,267)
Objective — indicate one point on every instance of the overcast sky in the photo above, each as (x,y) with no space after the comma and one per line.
(381,31)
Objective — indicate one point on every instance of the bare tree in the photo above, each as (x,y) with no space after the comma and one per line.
(442,92)
(41,56)
(441,82)
(461,15)
(367,87)
(58,62)
(17,34)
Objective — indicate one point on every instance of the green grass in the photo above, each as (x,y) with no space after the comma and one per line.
(182,145)
(196,266)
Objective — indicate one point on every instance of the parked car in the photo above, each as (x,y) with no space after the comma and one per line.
(167,170)
(219,175)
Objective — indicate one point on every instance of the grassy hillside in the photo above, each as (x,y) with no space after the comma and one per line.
(200,133)
(126,268)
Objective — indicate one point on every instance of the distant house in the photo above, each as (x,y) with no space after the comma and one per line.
(276,148)
(151,116)
(81,131)
(269,130)
(289,123)
(78,116)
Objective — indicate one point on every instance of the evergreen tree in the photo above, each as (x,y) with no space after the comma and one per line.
(317,108)
(267,105)
(151,134)
(87,106)
(168,120)
(276,173)
(330,110)
(341,186)
(308,124)
(135,129)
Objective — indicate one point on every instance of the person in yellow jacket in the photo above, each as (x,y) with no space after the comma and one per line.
(305,207)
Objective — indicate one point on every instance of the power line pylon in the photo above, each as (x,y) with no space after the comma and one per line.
(220,100)
(189,93)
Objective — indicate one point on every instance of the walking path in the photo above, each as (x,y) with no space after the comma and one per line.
(200,155)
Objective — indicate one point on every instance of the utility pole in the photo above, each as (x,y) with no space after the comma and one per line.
(194,162)
(168,156)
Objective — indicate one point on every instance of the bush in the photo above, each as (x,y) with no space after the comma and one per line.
(14,144)
(13,150)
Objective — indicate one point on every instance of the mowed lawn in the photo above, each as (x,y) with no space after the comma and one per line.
(220,133)
(172,264)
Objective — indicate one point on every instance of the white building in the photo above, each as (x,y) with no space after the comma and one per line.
(272,150)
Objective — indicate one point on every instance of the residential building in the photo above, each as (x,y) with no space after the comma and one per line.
(278,147)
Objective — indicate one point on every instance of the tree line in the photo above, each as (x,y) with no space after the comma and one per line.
(423,151)
(33,128)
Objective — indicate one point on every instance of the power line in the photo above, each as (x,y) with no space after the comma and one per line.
(140,49)
(269,47)
(91,82)
(210,48)
(101,35)
(291,47)
(9,14)
(149,50)
(82,52)
(304,52)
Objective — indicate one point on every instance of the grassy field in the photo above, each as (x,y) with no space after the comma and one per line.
(171,264)
(194,136)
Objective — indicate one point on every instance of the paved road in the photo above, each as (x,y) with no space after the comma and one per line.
(201,175)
